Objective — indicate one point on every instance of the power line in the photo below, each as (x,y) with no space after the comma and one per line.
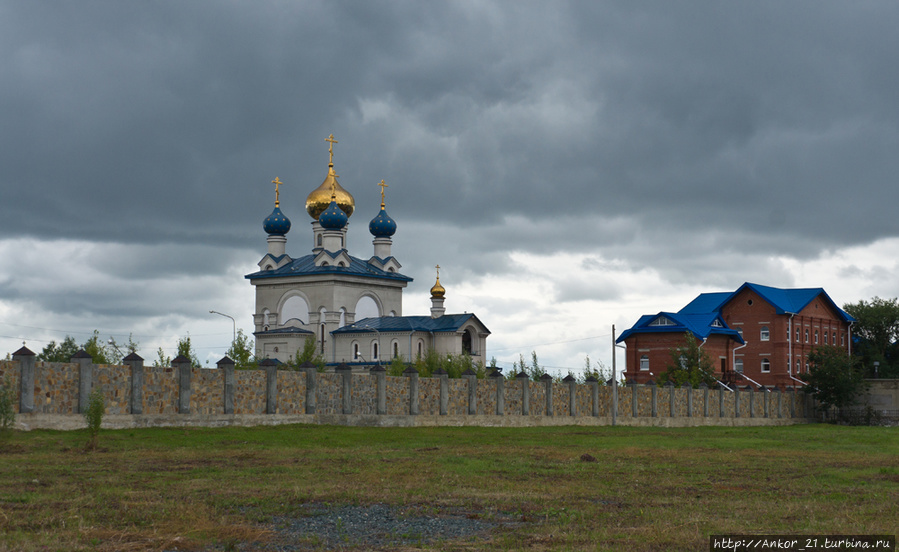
(552,343)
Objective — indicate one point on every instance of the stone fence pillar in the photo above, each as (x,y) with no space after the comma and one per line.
(594,395)
(720,401)
(689,389)
(136,364)
(412,374)
(380,375)
(779,401)
(705,399)
(311,383)
(85,378)
(472,391)
(634,409)
(497,376)
(792,392)
(765,407)
(444,390)
(182,365)
(751,401)
(670,385)
(655,397)
(346,387)
(226,365)
(524,380)
(548,384)
(736,401)
(26,360)
(572,394)
(271,385)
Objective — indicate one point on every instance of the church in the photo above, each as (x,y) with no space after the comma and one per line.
(351,307)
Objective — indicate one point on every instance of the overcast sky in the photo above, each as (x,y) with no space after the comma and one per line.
(570,165)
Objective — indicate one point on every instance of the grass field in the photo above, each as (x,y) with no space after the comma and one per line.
(648,488)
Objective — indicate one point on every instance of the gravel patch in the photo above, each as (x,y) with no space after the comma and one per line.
(372,527)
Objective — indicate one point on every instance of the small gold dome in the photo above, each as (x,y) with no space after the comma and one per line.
(438,291)
(319,199)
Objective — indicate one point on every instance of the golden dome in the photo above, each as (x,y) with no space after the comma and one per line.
(319,199)
(438,291)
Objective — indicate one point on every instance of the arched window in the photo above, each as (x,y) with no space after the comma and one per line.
(342,317)
(766,366)
(816,337)
(421,346)
(806,335)
(466,342)
(738,365)
(764,335)
(396,349)
(374,351)
(797,335)
(798,366)
(319,240)
(825,338)
(355,351)
(644,363)
(842,340)
(834,336)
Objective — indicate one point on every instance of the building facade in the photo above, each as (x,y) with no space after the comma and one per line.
(352,307)
(755,335)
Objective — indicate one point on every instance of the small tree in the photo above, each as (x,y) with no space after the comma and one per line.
(61,352)
(7,401)
(186,350)
(689,364)
(242,353)
(96,407)
(833,376)
(162,359)
(309,354)
(100,352)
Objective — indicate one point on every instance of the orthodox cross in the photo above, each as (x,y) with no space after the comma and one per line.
(382,185)
(330,148)
(277,183)
(438,271)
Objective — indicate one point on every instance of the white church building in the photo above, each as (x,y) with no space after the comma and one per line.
(352,307)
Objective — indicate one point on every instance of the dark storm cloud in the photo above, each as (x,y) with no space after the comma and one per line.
(763,127)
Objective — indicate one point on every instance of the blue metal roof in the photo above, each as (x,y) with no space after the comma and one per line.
(700,325)
(698,315)
(306,265)
(445,323)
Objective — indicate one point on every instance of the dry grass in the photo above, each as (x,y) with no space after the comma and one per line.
(649,489)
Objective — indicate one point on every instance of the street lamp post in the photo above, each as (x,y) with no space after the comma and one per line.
(233,323)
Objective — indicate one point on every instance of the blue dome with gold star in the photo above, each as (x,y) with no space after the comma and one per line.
(276,224)
(382,226)
(333,218)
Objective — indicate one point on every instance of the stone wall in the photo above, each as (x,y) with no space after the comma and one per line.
(163,390)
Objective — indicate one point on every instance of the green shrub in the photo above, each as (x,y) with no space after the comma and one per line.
(96,407)
(7,401)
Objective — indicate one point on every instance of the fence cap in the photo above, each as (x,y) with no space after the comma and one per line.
(135,356)
(225,361)
(410,370)
(81,353)
(687,385)
(632,382)
(266,362)
(568,379)
(546,377)
(591,379)
(522,375)
(703,385)
(749,387)
(495,374)
(377,368)
(439,372)
(24,351)
(669,383)
(181,358)
(651,382)
(469,372)
(308,364)
(343,367)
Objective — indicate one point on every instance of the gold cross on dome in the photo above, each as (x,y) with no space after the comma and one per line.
(277,183)
(438,271)
(330,148)
(383,185)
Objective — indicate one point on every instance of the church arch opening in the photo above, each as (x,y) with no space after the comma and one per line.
(295,307)
(466,342)
(366,307)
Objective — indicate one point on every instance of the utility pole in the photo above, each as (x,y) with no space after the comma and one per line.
(614,381)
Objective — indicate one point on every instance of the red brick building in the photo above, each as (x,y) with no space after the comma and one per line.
(756,334)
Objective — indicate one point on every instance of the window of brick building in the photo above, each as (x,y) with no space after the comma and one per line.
(766,365)
(765,334)
(644,363)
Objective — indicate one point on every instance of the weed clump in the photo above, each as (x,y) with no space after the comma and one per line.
(96,407)
(7,412)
